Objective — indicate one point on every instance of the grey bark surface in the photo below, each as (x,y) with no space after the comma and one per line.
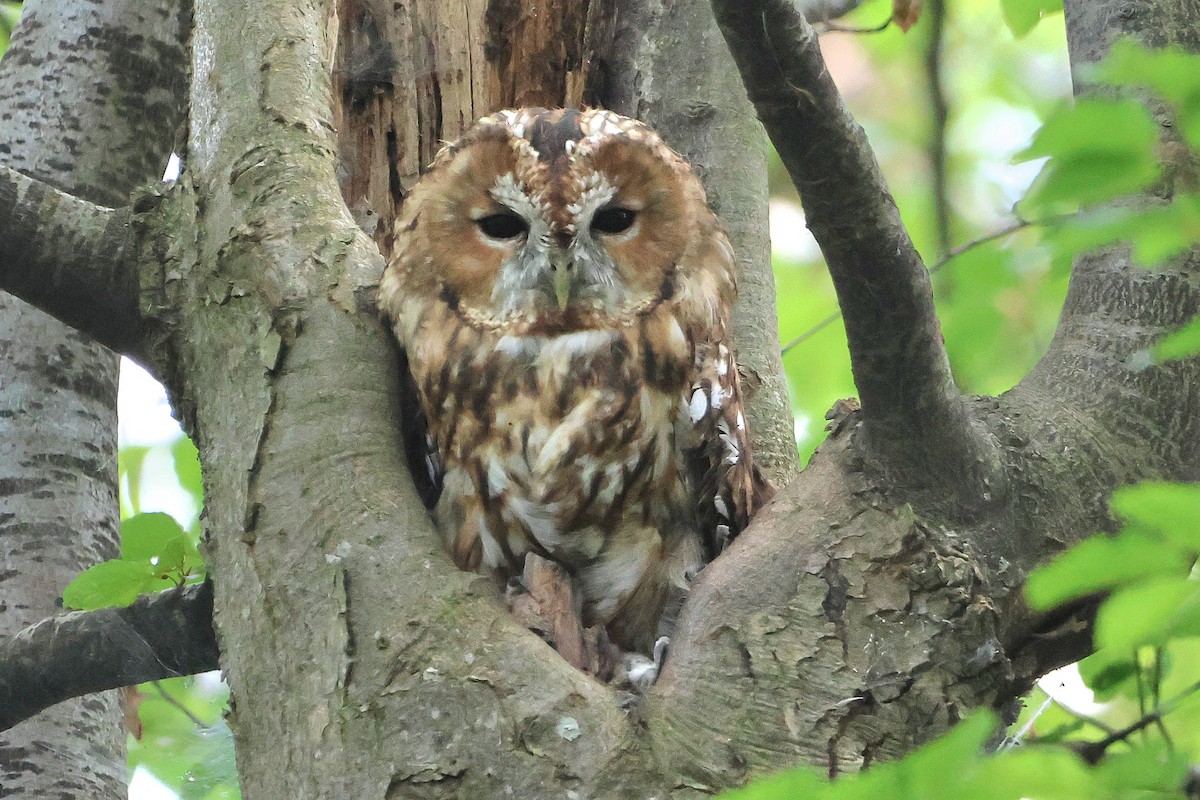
(58,493)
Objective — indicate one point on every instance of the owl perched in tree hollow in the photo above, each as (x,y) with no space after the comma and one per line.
(562,294)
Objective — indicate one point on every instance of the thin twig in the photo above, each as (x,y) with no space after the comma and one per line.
(950,256)
(1015,740)
(936,15)
(1094,751)
(166,696)
(1158,676)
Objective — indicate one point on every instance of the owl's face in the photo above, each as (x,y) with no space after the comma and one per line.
(538,222)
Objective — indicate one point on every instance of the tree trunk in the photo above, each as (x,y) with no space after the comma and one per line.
(58,466)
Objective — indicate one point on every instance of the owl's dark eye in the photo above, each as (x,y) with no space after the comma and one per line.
(503,226)
(613,220)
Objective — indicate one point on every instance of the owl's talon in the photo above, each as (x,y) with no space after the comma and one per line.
(643,672)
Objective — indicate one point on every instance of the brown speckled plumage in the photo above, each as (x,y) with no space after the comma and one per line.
(592,415)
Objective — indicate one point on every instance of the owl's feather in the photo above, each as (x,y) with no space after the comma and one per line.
(562,294)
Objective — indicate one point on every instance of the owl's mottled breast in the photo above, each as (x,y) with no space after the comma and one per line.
(551,440)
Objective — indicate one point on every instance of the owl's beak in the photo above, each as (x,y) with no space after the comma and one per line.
(560,267)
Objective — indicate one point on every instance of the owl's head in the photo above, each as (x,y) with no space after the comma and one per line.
(541,221)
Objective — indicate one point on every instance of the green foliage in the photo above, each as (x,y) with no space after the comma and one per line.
(1022,15)
(9,13)
(1099,149)
(1147,566)
(1169,73)
(956,766)
(185,742)
(156,553)
(1183,342)
(1103,156)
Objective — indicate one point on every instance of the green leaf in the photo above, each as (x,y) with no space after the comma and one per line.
(187,468)
(1094,126)
(110,583)
(1147,613)
(145,536)
(1110,674)
(1169,509)
(1100,563)
(10,12)
(1155,234)
(1147,771)
(1034,773)
(1099,149)
(939,769)
(130,460)
(1022,15)
(1164,232)
(1180,344)
(1172,72)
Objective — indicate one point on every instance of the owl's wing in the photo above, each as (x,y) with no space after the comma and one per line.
(726,485)
(420,449)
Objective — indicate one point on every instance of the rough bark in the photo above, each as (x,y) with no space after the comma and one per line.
(58,506)
(854,620)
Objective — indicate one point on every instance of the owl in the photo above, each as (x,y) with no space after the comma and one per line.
(561,292)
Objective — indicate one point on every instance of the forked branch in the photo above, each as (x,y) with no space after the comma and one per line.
(916,421)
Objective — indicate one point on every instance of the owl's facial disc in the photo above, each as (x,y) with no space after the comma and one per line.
(560,221)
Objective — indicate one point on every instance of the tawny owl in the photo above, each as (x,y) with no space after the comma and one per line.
(562,293)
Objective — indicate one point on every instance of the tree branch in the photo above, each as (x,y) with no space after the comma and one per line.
(67,257)
(159,636)
(940,112)
(914,417)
